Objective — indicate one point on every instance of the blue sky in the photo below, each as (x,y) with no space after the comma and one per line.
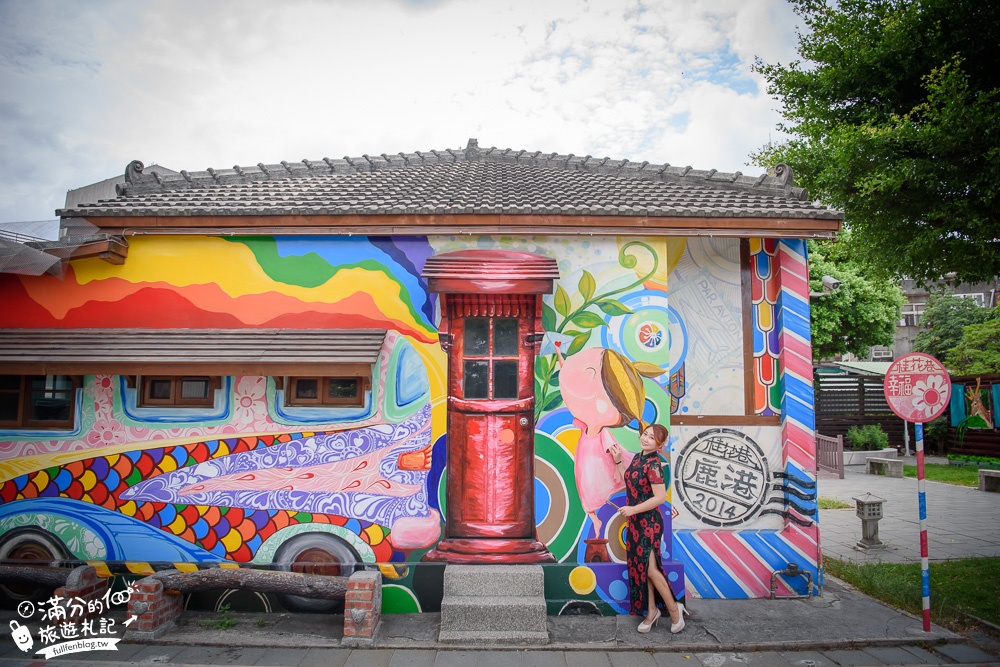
(86,87)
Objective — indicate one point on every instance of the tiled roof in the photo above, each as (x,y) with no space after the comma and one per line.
(473,180)
(184,351)
(867,367)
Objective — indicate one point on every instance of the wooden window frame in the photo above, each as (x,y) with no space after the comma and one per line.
(175,400)
(490,358)
(24,401)
(322,399)
(749,417)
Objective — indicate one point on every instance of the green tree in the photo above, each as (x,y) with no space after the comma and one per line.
(860,314)
(944,320)
(894,112)
(978,352)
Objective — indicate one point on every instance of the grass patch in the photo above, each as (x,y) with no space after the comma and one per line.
(958,587)
(224,621)
(937,472)
(833,504)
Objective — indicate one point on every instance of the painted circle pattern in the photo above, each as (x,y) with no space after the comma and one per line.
(653,332)
(555,513)
(649,335)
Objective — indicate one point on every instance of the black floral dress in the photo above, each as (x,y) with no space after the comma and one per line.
(644,530)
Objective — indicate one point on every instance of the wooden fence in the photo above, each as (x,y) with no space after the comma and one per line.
(844,400)
(975,442)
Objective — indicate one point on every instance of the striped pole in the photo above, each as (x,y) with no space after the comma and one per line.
(925,575)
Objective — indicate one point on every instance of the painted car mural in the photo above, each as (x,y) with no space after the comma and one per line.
(253,480)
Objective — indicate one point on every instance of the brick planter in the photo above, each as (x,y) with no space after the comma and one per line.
(155,610)
(362,609)
(81,593)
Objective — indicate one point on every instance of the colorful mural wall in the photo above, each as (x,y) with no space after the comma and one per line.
(252,479)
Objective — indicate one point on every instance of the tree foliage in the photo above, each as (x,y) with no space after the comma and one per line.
(944,321)
(894,110)
(860,314)
(978,352)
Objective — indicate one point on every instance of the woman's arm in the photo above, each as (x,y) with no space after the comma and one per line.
(617,453)
(659,497)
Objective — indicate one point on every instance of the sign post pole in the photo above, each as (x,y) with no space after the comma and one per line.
(925,574)
(917,389)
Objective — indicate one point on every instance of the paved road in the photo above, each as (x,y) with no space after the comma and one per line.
(962,522)
(843,627)
(169,656)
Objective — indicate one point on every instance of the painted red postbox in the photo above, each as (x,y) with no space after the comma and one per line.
(491,328)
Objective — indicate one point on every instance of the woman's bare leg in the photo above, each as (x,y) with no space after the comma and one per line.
(656,580)
(651,597)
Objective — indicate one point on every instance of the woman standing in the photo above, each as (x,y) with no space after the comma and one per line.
(645,492)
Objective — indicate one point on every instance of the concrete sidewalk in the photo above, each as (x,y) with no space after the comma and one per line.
(843,627)
(962,522)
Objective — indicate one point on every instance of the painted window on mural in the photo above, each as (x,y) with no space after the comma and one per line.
(490,357)
(36,401)
(178,391)
(315,391)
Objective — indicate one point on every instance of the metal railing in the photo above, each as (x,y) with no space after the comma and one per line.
(830,454)
(18,237)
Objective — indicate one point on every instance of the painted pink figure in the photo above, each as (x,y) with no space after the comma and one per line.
(602,389)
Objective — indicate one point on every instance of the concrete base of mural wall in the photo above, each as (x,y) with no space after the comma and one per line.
(852,458)
(494,604)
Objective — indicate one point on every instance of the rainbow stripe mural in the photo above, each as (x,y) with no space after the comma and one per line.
(764,288)
(230,282)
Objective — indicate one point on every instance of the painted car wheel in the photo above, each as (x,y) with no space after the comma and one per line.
(29,546)
(316,553)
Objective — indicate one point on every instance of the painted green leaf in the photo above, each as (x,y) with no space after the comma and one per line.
(587,285)
(578,343)
(548,318)
(629,261)
(588,319)
(542,366)
(563,305)
(614,307)
(554,380)
(553,403)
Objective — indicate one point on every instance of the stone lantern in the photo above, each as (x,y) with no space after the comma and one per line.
(869,509)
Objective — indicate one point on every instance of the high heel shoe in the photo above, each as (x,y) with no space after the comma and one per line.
(647,625)
(679,625)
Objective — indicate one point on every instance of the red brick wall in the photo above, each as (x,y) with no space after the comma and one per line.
(363,605)
(152,606)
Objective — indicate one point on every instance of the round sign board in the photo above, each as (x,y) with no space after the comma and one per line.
(917,387)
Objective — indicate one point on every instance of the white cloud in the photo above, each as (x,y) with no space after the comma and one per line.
(89,87)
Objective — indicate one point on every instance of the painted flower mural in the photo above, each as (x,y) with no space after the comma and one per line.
(930,394)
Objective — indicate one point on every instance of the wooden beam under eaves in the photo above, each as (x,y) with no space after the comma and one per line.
(113,250)
(421,225)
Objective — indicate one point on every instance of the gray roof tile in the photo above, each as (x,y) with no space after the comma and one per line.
(470,180)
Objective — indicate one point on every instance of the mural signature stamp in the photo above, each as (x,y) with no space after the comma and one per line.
(722,477)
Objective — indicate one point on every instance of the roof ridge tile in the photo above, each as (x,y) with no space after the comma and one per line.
(266,185)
